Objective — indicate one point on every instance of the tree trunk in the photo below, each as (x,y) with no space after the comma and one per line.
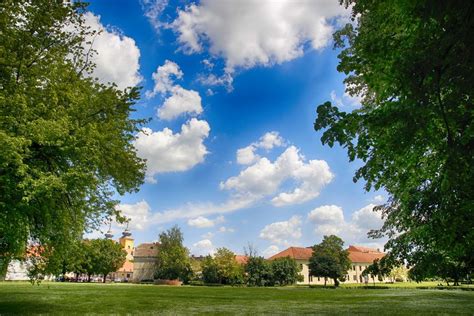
(105,277)
(325,280)
(88,278)
(77,277)
(336,282)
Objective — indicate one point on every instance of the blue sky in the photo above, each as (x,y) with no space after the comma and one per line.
(219,76)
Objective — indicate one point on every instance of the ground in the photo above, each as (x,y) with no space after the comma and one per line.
(70,298)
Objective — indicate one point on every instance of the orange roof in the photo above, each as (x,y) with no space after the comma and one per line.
(298,253)
(356,254)
(241,259)
(127,267)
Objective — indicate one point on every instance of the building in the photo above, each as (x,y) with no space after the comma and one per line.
(144,262)
(361,257)
(125,273)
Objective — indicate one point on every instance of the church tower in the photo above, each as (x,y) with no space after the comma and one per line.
(127,243)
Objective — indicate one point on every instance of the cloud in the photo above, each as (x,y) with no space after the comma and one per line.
(256,32)
(246,155)
(203,222)
(166,151)
(117,58)
(264,178)
(270,251)
(153,10)
(138,213)
(367,219)
(346,100)
(329,220)
(207,235)
(203,247)
(178,100)
(283,233)
(224,229)
(379,199)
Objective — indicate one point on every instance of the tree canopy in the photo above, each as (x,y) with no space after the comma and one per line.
(65,138)
(412,63)
(173,260)
(330,260)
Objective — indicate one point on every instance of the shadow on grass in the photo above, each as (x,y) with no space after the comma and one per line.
(25,307)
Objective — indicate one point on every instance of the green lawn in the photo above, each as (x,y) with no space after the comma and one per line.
(69,298)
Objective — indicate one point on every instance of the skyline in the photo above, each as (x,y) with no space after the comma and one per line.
(232,153)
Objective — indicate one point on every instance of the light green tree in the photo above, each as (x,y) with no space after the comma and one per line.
(65,139)
(173,260)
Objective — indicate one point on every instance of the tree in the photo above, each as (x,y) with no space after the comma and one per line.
(173,258)
(330,260)
(285,271)
(65,139)
(229,270)
(258,272)
(210,272)
(109,256)
(411,62)
(378,269)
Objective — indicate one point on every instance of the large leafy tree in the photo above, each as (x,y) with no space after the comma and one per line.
(108,256)
(173,260)
(412,63)
(285,271)
(258,271)
(330,260)
(65,139)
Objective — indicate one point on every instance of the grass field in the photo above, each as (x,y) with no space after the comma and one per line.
(70,298)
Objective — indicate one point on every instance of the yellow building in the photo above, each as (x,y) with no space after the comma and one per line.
(361,257)
(125,273)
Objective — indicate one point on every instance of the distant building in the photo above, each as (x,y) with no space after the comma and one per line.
(125,273)
(144,261)
(361,257)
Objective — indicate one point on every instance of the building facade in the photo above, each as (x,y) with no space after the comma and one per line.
(144,262)
(361,257)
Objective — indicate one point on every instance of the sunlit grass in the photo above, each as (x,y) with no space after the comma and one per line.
(67,298)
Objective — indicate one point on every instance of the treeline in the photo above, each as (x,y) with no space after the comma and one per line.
(95,257)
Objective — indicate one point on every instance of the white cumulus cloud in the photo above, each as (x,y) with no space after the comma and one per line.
(117,57)
(204,222)
(265,178)
(256,32)
(203,247)
(268,141)
(283,233)
(166,151)
(139,214)
(178,100)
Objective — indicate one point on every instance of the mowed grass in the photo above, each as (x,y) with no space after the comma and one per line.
(70,298)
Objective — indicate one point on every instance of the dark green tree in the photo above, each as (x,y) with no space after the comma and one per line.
(258,272)
(173,260)
(378,269)
(107,256)
(210,272)
(285,271)
(65,139)
(412,64)
(330,260)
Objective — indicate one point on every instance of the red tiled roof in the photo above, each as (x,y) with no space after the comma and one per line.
(298,253)
(356,254)
(241,259)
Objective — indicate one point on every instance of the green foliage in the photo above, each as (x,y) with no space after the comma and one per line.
(330,260)
(378,269)
(258,272)
(285,271)
(412,64)
(222,269)
(65,139)
(210,272)
(107,256)
(173,258)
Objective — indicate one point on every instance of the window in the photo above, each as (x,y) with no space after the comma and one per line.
(319,279)
(354,267)
(354,277)
(360,268)
(301,266)
(128,246)
(128,275)
(310,278)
